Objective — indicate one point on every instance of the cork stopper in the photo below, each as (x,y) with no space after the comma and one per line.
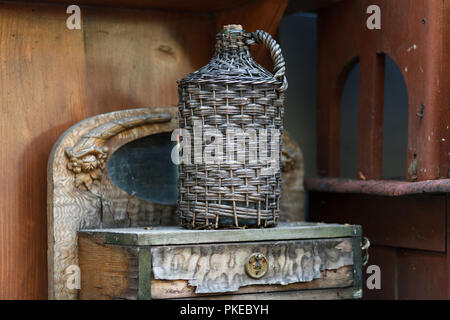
(233,27)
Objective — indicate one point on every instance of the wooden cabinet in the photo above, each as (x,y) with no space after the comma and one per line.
(291,261)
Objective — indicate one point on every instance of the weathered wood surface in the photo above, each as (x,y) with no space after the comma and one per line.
(220,267)
(377,187)
(319,294)
(171,235)
(72,207)
(124,272)
(108,272)
(171,289)
(413,34)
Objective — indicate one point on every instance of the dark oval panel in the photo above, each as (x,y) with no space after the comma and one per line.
(144,168)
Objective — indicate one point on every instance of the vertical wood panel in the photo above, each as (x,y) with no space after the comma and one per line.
(448,245)
(338,51)
(41,94)
(412,36)
(370,109)
(135,57)
(422,275)
(445,97)
(386,259)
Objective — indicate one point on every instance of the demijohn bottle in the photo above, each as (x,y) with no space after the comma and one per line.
(231,116)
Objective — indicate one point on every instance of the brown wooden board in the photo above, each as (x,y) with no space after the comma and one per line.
(172,5)
(337,24)
(317,294)
(386,259)
(448,246)
(417,222)
(389,188)
(340,278)
(108,272)
(41,95)
(175,235)
(422,275)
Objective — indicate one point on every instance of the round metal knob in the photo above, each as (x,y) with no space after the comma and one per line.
(256,266)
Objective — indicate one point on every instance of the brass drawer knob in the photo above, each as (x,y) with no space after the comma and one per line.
(256,266)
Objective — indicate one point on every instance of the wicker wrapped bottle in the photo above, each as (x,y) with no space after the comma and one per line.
(231,113)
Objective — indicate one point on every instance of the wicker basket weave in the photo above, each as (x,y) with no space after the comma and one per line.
(232,91)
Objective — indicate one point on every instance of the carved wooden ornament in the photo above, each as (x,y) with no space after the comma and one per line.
(80,194)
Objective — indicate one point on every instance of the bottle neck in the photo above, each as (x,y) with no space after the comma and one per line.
(231,42)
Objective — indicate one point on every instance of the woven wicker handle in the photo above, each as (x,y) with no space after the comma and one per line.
(279,66)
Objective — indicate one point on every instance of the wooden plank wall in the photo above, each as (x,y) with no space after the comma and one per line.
(408,235)
(413,33)
(52,77)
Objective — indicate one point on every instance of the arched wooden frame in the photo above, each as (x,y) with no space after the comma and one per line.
(81,194)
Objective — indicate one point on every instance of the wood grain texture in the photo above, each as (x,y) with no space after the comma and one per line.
(40,97)
(108,272)
(170,289)
(319,294)
(173,5)
(171,235)
(220,267)
(135,57)
(72,207)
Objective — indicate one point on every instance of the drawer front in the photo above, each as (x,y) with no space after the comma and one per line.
(252,267)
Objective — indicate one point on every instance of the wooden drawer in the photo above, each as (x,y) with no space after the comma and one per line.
(163,263)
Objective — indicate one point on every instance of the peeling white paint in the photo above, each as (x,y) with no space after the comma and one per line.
(406,69)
